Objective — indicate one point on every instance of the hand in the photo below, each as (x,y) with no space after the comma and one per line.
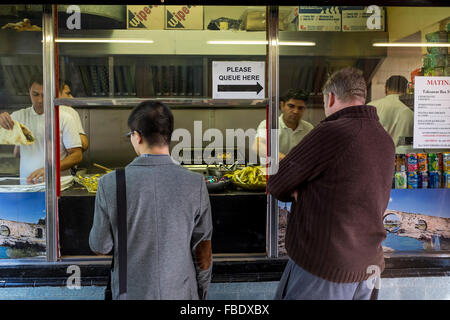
(295,195)
(36,176)
(6,121)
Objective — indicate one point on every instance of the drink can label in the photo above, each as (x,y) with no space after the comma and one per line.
(441,161)
(411,159)
(413,180)
(400,180)
(446,177)
(422,162)
(400,162)
(433,162)
(446,161)
(423,180)
(435,179)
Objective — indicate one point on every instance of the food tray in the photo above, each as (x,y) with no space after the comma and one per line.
(257,186)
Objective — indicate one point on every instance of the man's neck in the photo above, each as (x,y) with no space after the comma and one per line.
(161,150)
(291,125)
(39,112)
(388,93)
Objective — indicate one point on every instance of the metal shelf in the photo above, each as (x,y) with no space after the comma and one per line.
(173,103)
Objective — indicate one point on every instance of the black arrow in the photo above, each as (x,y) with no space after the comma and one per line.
(239,87)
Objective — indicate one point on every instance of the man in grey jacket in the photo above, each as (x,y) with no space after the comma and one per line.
(169,223)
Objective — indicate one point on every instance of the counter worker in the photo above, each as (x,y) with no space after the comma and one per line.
(32,157)
(292,129)
(395,117)
(66,93)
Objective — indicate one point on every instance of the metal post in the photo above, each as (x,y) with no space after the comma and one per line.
(272,123)
(48,63)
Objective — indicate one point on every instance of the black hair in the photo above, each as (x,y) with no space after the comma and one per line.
(36,78)
(154,121)
(397,84)
(63,82)
(297,94)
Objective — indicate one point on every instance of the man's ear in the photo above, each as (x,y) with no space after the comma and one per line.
(281,104)
(139,138)
(331,99)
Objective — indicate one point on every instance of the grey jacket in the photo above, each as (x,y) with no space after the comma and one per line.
(168,216)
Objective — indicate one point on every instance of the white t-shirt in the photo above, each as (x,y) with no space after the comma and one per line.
(32,157)
(75,116)
(395,117)
(288,138)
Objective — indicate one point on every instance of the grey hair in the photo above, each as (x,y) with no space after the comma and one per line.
(347,84)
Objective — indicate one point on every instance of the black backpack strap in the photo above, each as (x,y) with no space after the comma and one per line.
(121,192)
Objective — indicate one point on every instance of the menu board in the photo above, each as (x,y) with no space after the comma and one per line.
(432,112)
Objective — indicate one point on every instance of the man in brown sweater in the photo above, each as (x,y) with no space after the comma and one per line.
(339,177)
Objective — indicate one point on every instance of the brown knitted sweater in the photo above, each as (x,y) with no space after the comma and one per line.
(343,173)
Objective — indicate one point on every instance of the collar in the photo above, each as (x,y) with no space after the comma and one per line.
(362,111)
(34,113)
(284,126)
(152,160)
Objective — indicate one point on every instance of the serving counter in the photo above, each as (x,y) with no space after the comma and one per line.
(239,221)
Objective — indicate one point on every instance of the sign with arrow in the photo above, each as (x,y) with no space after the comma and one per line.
(238,79)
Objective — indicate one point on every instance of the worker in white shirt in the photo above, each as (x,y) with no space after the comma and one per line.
(291,129)
(66,93)
(32,157)
(395,117)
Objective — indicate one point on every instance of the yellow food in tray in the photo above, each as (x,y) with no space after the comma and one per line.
(89,182)
(251,178)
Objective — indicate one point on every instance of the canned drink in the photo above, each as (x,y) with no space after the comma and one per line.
(423,180)
(412,164)
(413,180)
(400,180)
(435,179)
(446,161)
(422,162)
(400,162)
(441,161)
(433,162)
(446,177)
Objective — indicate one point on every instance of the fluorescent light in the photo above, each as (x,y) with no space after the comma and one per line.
(257,42)
(297,43)
(413,44)
(237,42)
(91,40)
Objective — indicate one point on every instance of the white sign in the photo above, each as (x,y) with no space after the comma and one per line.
(238,79)
(432,112)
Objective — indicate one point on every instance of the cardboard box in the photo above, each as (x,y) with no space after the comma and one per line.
(255,20)
(145,17)
(186,17)
(315,18)
(356,18)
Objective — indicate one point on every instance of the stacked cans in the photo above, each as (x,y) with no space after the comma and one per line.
(422,170)
(400,177)
(413,168)
(446,169)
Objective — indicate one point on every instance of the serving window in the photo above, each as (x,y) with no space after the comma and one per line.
(223,71)
(410,44)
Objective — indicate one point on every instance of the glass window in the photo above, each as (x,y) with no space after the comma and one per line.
(208,64)
(400,50)
(22,154)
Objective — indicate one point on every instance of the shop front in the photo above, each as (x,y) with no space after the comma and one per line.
(226,73)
